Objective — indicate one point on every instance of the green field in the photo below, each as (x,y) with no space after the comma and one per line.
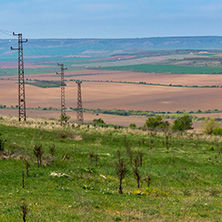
(173,69)
(45,83)
(185,173)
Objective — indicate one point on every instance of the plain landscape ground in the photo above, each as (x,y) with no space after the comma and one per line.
(171,176)
(180,174)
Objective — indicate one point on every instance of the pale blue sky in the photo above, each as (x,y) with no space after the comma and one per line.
(111,18)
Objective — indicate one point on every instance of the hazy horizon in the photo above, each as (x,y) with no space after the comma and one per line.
(116,38)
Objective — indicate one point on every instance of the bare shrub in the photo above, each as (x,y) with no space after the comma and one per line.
(151,144)
(167,142)
(23,179)
(2,143)
(27,165)
(129,153)
(24,209)
(136,171)
(140,154)
(121,170)
(148,180)
(91,155)
(38,151)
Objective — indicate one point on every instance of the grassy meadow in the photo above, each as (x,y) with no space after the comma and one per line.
(179,176)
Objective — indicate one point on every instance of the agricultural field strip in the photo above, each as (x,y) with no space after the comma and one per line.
(133,113)
(36,70)
(134,61)
(171,69)
(112,81)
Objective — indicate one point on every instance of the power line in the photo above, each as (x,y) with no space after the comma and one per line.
(34,51)
(43,70)
(9,33)
(37,53)
(6,31)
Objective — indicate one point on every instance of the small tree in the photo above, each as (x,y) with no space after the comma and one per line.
(24,209)
(121,171)
(27,165)
(182,123)
(140,154)
(156,122)
(38,151)
(209,125)
(2,143)
(64,118)
(136,171)
(148,180)
(167,142)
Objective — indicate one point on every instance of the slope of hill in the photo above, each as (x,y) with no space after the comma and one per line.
(103,47)
(77,180)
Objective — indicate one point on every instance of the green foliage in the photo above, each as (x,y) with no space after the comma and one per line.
(217,131)
(182,123)
(64,118)
(100,120)
(45,83)
(132,125)
(209,125)
(156,122)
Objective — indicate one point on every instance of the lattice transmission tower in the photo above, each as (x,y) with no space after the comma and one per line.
(21,83)
(63,104)
(79,102)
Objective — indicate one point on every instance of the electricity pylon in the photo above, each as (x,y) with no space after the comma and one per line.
(21,83)
(63,105)
(79,102)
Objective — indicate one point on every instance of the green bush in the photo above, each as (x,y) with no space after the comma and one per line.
(209,125)
(100,120)
(132,125)
(156,122)
(64,118)
(217,131)
(182,123)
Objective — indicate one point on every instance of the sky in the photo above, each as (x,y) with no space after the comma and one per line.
(111,18)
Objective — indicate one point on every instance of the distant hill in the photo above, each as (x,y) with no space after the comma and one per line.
(84,48)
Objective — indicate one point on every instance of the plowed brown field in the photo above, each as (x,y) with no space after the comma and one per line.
(122,96)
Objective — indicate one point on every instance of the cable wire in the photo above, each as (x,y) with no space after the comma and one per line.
(9,33)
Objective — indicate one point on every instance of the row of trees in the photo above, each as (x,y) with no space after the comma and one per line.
(182,123)
(208,126)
